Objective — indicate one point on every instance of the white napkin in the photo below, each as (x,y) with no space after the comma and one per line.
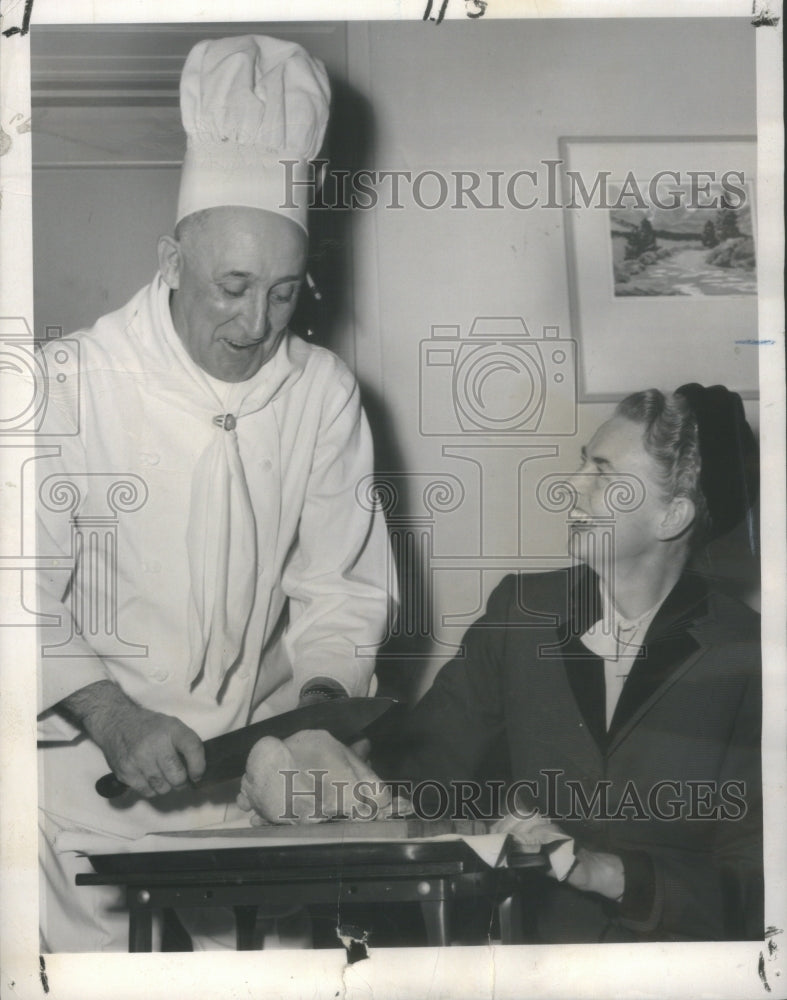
(531,833)
(238,833)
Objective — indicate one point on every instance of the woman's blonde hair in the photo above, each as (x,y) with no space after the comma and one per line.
(671,438)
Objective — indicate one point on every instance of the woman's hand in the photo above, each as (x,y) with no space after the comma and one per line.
(596,871)
(531,833)
(591,871)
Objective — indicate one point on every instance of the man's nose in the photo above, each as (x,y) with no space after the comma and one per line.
(254,314)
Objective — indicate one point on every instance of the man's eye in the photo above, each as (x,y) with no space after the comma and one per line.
(233,291)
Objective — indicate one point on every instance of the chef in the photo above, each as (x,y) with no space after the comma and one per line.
(206,559)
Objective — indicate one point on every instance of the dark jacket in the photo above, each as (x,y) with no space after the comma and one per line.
(674,787)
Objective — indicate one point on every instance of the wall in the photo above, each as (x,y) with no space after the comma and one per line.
(107,148)
(500,100)
(409,97)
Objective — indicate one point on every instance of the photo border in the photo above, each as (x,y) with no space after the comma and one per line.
(734,970)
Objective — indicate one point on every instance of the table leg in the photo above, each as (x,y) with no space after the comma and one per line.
(509,912)
(245,923)
(435,912)
(140,928)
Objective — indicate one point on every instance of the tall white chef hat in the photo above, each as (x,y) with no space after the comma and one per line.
(248,103)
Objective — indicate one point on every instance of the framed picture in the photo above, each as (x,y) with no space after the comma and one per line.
(661,258)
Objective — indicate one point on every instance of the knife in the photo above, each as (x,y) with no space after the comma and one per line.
(225,756)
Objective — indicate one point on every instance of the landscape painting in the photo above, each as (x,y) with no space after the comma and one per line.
(685,250)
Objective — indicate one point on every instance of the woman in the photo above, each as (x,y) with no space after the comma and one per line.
(632,722)
(622,693)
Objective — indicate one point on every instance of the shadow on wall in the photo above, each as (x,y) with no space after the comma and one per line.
(348,144)
(732,563)
(409,642)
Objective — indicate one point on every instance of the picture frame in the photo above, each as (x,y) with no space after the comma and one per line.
(648,261)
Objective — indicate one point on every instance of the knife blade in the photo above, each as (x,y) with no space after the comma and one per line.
(225,756)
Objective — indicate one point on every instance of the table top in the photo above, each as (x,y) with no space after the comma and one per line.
(340,857)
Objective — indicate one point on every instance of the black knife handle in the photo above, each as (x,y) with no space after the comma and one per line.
(226,755)
(110,787)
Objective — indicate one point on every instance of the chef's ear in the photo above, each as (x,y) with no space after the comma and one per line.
(678,518)
(169,260)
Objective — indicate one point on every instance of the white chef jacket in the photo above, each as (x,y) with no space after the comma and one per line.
(144,416)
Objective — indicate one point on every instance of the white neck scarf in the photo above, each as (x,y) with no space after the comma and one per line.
(221,535)
(222,546)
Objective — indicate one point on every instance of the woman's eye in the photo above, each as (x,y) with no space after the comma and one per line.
(282,296)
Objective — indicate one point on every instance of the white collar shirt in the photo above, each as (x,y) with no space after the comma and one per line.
(618,641)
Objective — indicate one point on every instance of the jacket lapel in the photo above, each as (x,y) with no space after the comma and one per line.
(585,673)
(584,670)
(668,652)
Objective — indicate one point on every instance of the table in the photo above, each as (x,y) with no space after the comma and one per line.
(432,873)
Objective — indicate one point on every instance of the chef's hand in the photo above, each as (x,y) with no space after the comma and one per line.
(597,871)
(329,780)
(148,751)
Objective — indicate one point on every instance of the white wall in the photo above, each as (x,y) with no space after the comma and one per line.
(107,146)
(500,100)
(410,96)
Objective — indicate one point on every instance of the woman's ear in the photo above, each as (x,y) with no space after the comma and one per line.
(678,518)
(169,260)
